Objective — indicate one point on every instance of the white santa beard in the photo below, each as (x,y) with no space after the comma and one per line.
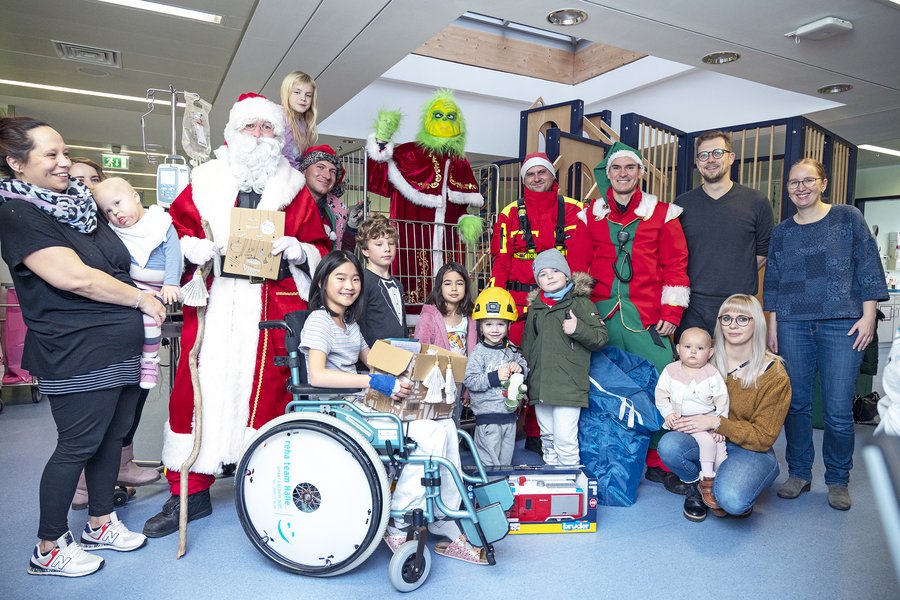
(253,160)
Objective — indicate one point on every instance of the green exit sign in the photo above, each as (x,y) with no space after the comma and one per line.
(115,161)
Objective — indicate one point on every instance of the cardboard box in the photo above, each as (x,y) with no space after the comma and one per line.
(250,241)
(414,362)
(550,499)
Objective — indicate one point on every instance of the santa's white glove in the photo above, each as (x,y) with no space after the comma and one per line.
(199,251)
(290,249)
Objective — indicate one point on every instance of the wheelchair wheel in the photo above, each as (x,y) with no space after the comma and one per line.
(402,571)
(312,494)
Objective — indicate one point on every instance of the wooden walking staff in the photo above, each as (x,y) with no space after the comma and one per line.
(194,293)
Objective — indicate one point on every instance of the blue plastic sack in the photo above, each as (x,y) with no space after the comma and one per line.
(614,431)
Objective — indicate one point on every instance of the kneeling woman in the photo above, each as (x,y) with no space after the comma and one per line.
(759,391)
(333,344)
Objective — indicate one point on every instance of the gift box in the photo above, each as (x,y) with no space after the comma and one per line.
(435,375)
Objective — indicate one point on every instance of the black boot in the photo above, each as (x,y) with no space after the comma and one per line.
(694,509)
(533,444)
(675,485)
(166,522)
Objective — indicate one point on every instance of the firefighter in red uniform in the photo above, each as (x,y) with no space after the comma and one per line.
(541,220)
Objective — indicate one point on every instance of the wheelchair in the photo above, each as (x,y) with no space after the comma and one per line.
(312,488)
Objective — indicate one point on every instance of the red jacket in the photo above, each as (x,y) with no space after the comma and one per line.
(660,288)
(508,249)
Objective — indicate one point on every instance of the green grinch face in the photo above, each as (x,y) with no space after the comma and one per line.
(443,119)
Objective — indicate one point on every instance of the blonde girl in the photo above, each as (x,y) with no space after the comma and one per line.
(298,97)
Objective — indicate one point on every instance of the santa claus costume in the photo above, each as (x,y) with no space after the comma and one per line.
(241,387)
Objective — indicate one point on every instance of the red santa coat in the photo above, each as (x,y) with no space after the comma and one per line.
(511,262)
(431,191)
(660,288)
(242,389)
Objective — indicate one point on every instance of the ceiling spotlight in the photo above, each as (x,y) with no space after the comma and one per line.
(720,58)
(567,16)
(835,88)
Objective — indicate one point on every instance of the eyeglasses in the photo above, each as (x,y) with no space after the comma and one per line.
(807,182)
(717,154)
(262,126)
(741,320)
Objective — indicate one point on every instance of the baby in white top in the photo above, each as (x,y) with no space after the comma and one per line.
(692,386)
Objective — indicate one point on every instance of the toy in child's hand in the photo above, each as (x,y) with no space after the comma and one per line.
(515,391)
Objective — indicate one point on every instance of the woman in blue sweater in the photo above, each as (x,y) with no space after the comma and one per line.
(823,280)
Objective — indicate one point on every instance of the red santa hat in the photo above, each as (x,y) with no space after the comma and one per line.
(252,107)
(536,159)
(326,153)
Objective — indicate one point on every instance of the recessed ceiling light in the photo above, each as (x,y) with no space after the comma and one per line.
(835,88)
(173,11)
(720,58)
(567,16)
(879,149)
(57,88)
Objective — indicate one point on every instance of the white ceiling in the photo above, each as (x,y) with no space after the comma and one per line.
(349,44)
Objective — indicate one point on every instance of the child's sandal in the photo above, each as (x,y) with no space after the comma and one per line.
(461,549)
(394,541)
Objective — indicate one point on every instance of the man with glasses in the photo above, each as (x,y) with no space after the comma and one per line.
(639,264)
(727,228)
(241,388)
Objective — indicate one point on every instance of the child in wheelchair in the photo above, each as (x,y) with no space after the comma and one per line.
(332,342)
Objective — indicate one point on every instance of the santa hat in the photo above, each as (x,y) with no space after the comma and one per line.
(252,107)
(618,150)
(326,153)
(536,159)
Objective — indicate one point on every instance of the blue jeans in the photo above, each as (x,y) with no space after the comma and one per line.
(824,347)
(741,477)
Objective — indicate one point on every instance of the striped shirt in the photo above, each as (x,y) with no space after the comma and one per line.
(127,372)
(341,346)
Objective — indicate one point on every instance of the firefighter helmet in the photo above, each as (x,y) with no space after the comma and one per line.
(495,303)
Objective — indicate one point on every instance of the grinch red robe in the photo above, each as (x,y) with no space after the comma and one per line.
(242,389)
(429,194)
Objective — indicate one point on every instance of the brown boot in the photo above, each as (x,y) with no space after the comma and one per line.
(132,475)
(706,492)
(80,501)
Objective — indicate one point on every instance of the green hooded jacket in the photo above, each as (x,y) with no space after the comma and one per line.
(558,363)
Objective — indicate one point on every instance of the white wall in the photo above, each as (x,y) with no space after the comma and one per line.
(878,181)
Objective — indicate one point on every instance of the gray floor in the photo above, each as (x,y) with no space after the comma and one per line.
(787,549)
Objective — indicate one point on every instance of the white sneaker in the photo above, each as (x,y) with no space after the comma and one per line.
(112,536)
(68,559)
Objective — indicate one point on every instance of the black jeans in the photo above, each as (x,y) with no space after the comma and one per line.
(90,428)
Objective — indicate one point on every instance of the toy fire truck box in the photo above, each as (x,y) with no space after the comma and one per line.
(435,374)
(550,499)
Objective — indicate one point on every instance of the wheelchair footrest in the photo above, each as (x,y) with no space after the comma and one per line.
(491,521)
(494,491)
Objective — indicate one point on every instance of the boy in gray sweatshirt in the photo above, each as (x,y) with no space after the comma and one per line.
(489,367)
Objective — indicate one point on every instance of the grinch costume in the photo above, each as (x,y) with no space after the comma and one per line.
(430,185)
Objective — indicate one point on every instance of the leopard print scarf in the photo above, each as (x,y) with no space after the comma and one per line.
(75,207)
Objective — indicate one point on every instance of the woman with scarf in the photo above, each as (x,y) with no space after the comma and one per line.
(84,338)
